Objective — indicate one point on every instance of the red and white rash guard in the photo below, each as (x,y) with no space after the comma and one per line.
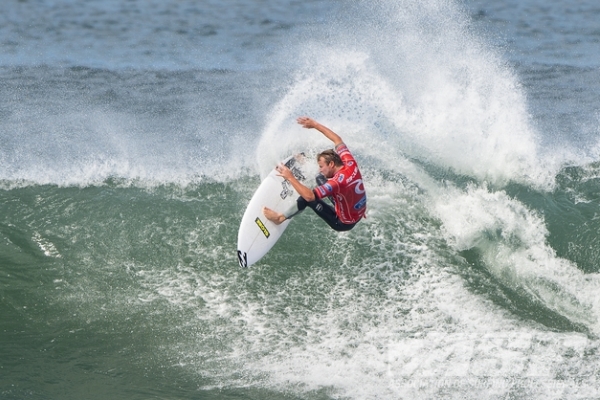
(347,189)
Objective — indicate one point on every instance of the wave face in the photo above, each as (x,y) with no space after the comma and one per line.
(122,185)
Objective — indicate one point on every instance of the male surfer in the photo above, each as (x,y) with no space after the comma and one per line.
(343,183)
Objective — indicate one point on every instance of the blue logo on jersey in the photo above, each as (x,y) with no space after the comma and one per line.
(361,203)
(341,178)
(328,187)
(323,193)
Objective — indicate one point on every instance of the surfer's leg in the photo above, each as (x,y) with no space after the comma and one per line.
(320,178)
(278,218)
(327,214)
(296,208)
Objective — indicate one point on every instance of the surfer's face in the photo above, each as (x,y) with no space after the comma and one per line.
(327,169)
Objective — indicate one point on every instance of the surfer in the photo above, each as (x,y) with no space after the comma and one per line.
(340,179)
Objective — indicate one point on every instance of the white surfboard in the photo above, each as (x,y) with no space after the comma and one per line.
(257,235)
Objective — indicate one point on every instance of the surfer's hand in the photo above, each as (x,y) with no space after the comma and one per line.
(307,122)
(284,171)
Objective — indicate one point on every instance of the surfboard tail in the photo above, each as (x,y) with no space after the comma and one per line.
(242,258)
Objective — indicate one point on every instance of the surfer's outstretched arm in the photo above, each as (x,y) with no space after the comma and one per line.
(310,123)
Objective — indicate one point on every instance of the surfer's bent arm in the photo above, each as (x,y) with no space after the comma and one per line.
(309,123)
(302,190)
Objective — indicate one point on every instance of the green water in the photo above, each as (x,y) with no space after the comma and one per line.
(138,289)
(127,290)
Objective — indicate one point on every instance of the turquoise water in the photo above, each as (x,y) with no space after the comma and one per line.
(133,135)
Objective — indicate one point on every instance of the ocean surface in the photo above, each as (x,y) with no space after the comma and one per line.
(133,134)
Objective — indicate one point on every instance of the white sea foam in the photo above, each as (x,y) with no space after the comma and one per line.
(512,240)
(435,93)
(431,91)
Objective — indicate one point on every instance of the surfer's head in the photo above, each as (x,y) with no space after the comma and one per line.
(329,156)
(329,162)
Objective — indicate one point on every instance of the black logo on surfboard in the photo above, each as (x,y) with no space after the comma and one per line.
(287,189)
(243,259)
(291,164)
(286,186)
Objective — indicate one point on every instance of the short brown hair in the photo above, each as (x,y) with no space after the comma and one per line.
(329,156)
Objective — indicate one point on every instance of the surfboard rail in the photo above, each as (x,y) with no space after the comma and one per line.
(256,234)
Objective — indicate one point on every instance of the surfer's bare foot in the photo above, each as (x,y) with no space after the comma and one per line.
(273,216)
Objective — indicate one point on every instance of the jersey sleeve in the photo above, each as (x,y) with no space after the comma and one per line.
(329,188)
(344,153)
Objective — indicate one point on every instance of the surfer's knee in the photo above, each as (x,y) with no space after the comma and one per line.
(320,179)
(301,203)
